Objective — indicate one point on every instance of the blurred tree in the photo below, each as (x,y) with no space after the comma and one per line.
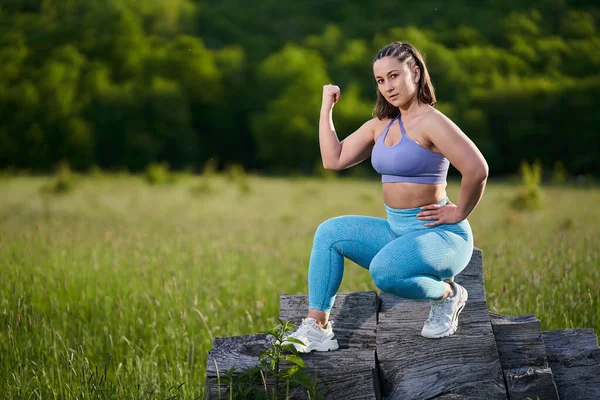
(286,132)
(167,18)
(13,53)
(167,123)
(522,120)
(520,30)
(122,82)
(111,32)
(22,139)
(233,142)
(462,36)
(551,50)
(351,111)
(485,66)
(577,25)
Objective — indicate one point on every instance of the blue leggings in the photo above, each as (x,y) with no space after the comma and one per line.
(404,257)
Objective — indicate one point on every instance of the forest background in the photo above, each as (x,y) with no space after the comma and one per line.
(119,84)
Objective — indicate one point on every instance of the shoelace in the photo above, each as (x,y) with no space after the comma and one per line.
(439,311)
(305,326)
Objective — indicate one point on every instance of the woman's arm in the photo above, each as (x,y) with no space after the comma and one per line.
(468,160)
(352,150)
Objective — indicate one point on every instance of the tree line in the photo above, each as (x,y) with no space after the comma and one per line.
(120,83)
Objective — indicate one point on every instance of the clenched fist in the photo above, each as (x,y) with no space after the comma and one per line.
(331,95)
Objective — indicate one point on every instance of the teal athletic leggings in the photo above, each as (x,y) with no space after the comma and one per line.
(404,257)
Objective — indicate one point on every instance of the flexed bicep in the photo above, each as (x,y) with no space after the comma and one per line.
(356,147)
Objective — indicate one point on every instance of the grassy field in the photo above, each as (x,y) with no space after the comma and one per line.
(116,289)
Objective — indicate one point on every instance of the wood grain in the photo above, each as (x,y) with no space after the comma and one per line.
(472,276)
(414,367)
(465,364)
(523,357)
(383,355)
(354,317)
(343,374)
(574,357)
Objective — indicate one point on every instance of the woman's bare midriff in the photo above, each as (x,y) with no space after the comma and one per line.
(412,195)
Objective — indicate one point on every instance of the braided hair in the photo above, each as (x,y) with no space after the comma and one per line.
(425,91)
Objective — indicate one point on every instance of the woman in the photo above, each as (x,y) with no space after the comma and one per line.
(425,240)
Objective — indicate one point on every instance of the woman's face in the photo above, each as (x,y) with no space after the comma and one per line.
(395,80)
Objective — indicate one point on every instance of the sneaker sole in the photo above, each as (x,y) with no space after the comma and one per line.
(328,345)
(454,326)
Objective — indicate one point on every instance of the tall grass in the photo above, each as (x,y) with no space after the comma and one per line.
(116,289)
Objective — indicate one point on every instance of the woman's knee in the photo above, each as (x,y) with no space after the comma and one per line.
(384,276)
(329,230)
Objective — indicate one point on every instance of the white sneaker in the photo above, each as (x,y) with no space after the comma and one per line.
(314,337)
(443,317)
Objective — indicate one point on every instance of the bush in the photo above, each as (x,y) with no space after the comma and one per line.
(206,179)
(237,174)
(158,174)
(559,174)
(64,180)
(529,194)
(210,167)
(95,172)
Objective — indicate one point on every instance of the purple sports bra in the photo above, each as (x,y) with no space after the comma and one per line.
(407,161)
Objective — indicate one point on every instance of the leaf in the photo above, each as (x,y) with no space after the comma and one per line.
(289,349)
(294,340)
(301,378)
(272,332)
(296,360)
(290,372)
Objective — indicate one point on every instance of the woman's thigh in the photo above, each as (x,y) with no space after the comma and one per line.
(436,251)
(358,238)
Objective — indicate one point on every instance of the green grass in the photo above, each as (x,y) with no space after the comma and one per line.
(116,289)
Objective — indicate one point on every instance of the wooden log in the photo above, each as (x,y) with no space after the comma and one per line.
(240,352)
(574,357)
(464,365)
(472,277)
(523,357)
(413,367)
(354,317)
(343,374)
(467,365)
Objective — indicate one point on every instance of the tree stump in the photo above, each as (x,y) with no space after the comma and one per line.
(383,356)
(523,357)
(355,332)
(574,358)
(464,365)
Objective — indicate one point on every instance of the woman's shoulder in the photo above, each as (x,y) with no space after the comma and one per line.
(436,119)
(378,125)
(437,126)
(375,124)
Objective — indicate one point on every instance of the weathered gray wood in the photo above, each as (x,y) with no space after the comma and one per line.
(570,342)
(519,341)
(523,357)
(472,277)
(465,365)
(240,352)
(487,351)
(574,357)
(343,374)
(354,317)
